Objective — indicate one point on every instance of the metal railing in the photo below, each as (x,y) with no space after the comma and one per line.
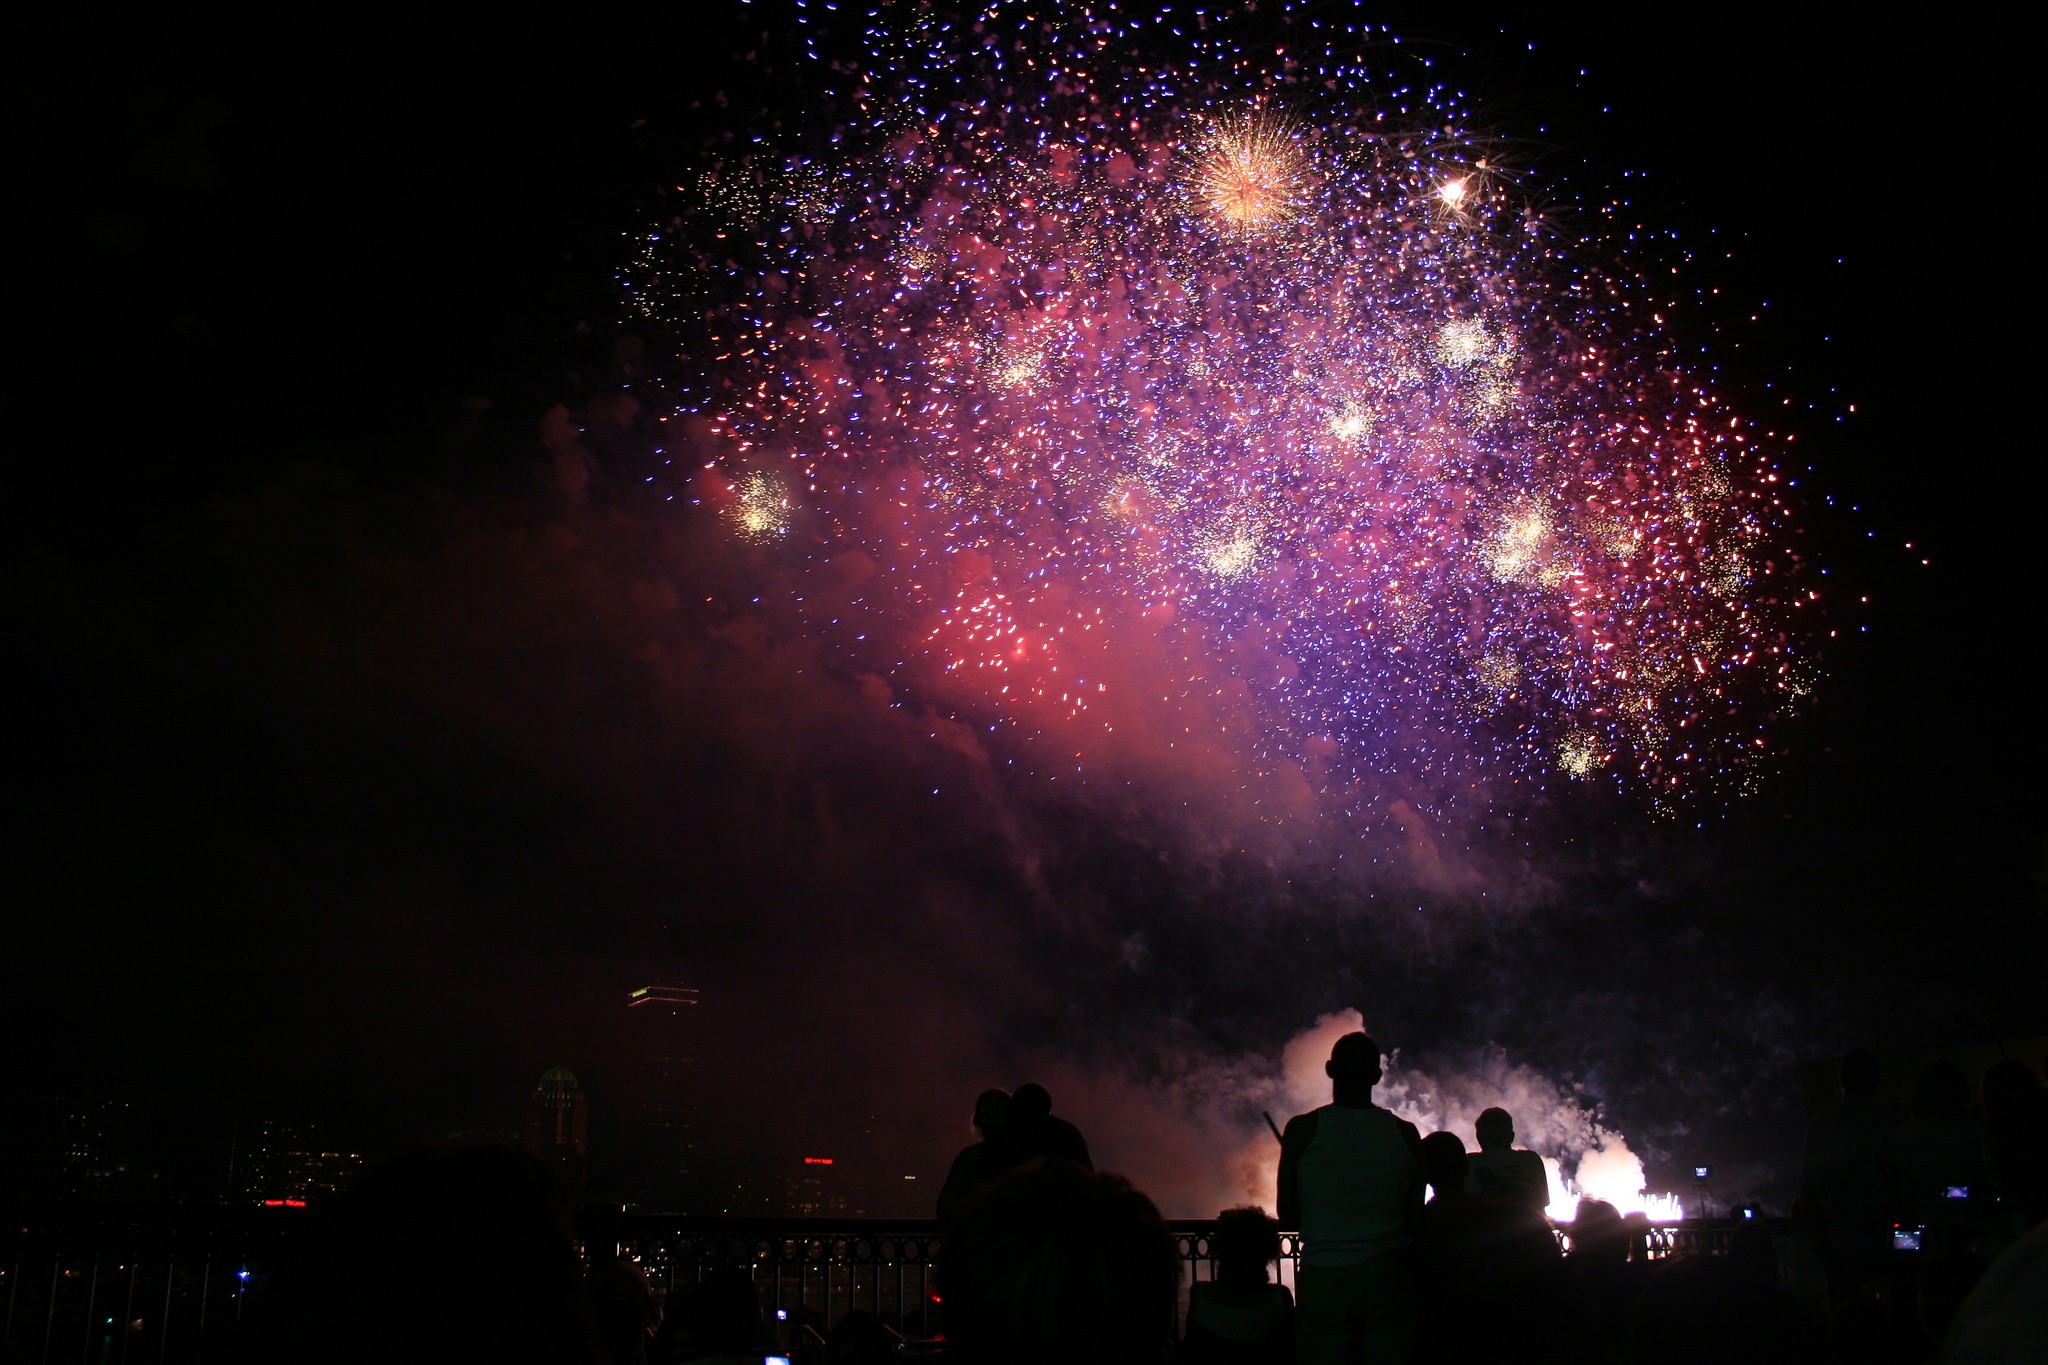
(809,1272)
(138,1285)
(153,1287)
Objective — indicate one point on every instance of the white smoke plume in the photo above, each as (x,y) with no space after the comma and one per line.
(1223,1154)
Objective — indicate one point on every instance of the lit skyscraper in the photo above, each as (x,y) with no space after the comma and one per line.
(280,1163)
(820,1187)
(557,1128)
(661,1160)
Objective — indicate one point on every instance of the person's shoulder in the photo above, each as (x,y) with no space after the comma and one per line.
(1408,1132)
(1299,1133)
(1305,1122)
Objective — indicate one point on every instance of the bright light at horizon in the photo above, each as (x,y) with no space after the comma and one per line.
(1614,1175)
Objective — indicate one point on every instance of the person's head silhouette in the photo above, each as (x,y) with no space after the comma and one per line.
(1444,1166)
(1245,1242)
(1598,1232)
(1029,1103)
(991,1112)
(1496,1129)
(1353,1069)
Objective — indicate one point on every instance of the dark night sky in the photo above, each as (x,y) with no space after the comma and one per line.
(345,786)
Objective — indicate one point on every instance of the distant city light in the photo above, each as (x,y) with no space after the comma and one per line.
(662,995)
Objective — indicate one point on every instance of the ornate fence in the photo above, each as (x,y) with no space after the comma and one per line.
(154,1287)
(115,1287)
(812,1272)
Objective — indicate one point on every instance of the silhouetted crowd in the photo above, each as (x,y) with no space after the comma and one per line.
(1916,1238)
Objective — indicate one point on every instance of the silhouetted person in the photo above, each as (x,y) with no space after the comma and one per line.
(2016,1130)
(621,1306)
(1845,1179)
(715,1321)
(1501,1168)
(1351,1181)
(1446,1169)
(2005,1317)
(1446,1240)
(1058,1263)
(1942,1167)
(1033,1131)
(1709,1310)
(1488,1270)
(1945,1280)
(435,1257)
(1241,1317)
(1598,1234)
(976,1164)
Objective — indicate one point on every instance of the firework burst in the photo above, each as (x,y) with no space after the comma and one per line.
(1100,360)
(1250,172)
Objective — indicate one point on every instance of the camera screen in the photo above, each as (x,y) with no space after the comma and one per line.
(1959,1192)
(1702,1172)
(1906,1239)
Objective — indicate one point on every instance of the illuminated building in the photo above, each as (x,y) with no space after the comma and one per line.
(290,1165)
(557,1128)
(95,1141)
(821,1187)
(659,1168)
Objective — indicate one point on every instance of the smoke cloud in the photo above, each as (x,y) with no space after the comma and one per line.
(1198,1142)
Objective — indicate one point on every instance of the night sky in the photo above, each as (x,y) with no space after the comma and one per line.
(360,771)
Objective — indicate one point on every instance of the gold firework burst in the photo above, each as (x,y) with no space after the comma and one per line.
(1250,172)
(760,510)
(1579,754)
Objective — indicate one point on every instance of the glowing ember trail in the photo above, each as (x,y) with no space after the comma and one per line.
(1255,364)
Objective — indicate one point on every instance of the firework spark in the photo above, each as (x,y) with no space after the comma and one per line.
(1097,359)
(1249,172)
(760,510)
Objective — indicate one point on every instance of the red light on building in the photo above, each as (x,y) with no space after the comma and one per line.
(817,1161)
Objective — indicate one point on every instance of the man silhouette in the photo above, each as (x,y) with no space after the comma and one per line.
(977,1166)
(1033,1132)
(1501,1168)
(1845,1178)
(1351,1181)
